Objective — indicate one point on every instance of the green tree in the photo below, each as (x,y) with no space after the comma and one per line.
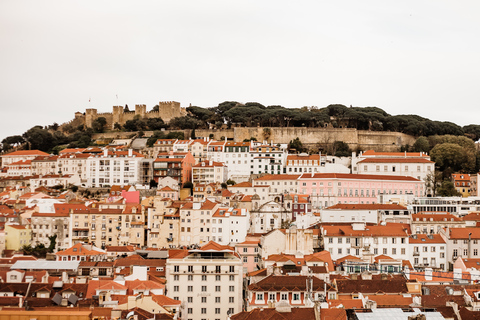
(192,134)
(297,145)
(39,139)
(117,126)
(451,155)
(447,189)
(224,185)
(341,149)
(230,182)
(421,145)
(99,124)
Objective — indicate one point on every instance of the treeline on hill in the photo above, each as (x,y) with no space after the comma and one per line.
(450,146)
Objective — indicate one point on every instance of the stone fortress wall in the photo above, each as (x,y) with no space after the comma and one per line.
(167,111)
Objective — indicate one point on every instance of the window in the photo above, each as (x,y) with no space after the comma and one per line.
(204,299)
(259,296)
(217,278)
(190,277)
(231,278)
(175,288)
(204,310)
(190,299)
(190,288)
(231,288)
(231,299)
(217,299)
(296,296)
(217,288)
(204,278)
(217,310)
(176,268)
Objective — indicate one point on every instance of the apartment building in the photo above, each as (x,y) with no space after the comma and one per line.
(462,183)
(163,146)
(206,172)
(163,226)
(176,165)
(113,168)
(43,165)
(314,163)
(46,224)
(21,155)
(461,242)
(229,225)
(369,213)
(208,281)
(267,159)
(196,222)
(433,222)
(358,239)
(428,251)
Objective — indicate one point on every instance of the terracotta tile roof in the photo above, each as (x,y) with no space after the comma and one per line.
(288,283)
(167,188)
(394,154)
(472,216)
(244,184)
(463,233)
(391,300)
(471,263)
(261,272)
(272,314)
(79,249)
(349,257)
(206,164)
(395,160)
(207,205)
(26,153)
(306,157)
(390,229)
(426,238)
(360,206)
(211,245)
(165,301)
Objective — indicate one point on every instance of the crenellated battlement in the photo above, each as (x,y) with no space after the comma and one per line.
(167,111)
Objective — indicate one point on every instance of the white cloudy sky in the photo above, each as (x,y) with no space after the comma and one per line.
(414,56)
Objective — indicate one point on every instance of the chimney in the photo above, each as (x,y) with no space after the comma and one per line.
(105,152)
(428,274)
(130,152)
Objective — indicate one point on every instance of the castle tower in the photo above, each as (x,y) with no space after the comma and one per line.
(117,115)
(90,116)
(140,110)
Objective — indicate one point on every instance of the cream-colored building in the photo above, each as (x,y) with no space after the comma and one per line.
(196,222)
(207,172)
(109,224)
(208,280)
(46,224)
(163,223)
(17,236)
(43,165)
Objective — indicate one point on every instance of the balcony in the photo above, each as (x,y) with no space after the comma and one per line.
(169,239)
(416,253)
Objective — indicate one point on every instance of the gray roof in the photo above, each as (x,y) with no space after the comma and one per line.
(45,265)
(139,144)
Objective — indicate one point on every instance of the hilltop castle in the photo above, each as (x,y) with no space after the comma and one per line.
(167,111)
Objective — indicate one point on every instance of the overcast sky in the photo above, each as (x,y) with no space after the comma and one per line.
(420,57)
